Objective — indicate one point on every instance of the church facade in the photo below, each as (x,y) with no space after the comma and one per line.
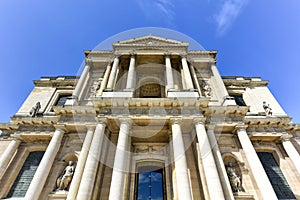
(150,119)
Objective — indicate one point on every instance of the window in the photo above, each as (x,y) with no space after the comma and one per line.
(275,175)
(25,176)
(62,100)
(239,100)
(150,183)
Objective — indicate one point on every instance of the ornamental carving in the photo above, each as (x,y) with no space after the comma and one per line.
(205,88)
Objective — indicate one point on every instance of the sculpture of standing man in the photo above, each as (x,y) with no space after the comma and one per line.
(234,178)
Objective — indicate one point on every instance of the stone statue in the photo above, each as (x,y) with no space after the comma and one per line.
(63,181)
(267,109)
(234,178)
(35,109)
(206,90)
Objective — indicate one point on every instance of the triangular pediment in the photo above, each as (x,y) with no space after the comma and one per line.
(151,41)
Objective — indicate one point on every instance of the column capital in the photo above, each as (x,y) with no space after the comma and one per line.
(17,138)
(90,127)
(60,127)
(183,56)
(125,120)
(167,55)
(285,137)
(102,120)
(240,127)
(199,120)
(132,55)
(88,62)
(176,120)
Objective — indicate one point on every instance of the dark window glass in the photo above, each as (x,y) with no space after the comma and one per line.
(25,176)
(150,185)
(62,100)
(275,175)
(239,100)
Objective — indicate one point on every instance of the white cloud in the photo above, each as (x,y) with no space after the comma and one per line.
(158,8)
(229,11)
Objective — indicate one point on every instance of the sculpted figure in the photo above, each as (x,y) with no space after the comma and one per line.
(235,180)
(65,178)
(35,109)
(267,109)
(205,88)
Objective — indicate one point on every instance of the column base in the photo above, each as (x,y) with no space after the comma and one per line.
(242,196)
(58,195)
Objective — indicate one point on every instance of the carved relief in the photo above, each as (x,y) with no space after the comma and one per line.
(205,88)
(95,87)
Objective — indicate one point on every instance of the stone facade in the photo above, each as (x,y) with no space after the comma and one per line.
(150,113)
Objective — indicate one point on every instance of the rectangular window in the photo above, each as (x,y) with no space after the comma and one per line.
(150,184)
(62,100)
(239,100)
(276,177)
(25,176)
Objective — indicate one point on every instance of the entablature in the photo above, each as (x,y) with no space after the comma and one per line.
(239,81)
(57,81)
(267,120)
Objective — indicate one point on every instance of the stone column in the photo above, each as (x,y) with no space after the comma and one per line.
(181,169)
(213,182)
(120,163)
(105,79)
(131,73)
(42,172)
(187,74)
(81,163)
(262,181)
(112,75)
(291,151)
(221,87)
(7,155)
(219,163)
(169,73)
(81,81)
(90,169)
(194,76)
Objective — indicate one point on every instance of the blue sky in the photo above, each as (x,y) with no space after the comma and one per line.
(47,38)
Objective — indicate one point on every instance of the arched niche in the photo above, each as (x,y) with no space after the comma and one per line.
(235,171)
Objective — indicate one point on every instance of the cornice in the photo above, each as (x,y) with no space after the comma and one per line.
(26,120)
(226,110)
(56,83)
(247,81)
(264,120)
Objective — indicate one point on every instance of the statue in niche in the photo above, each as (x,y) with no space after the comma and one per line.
(206,90)
(64,180)
(267,109)
(35,109)
(234,177)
